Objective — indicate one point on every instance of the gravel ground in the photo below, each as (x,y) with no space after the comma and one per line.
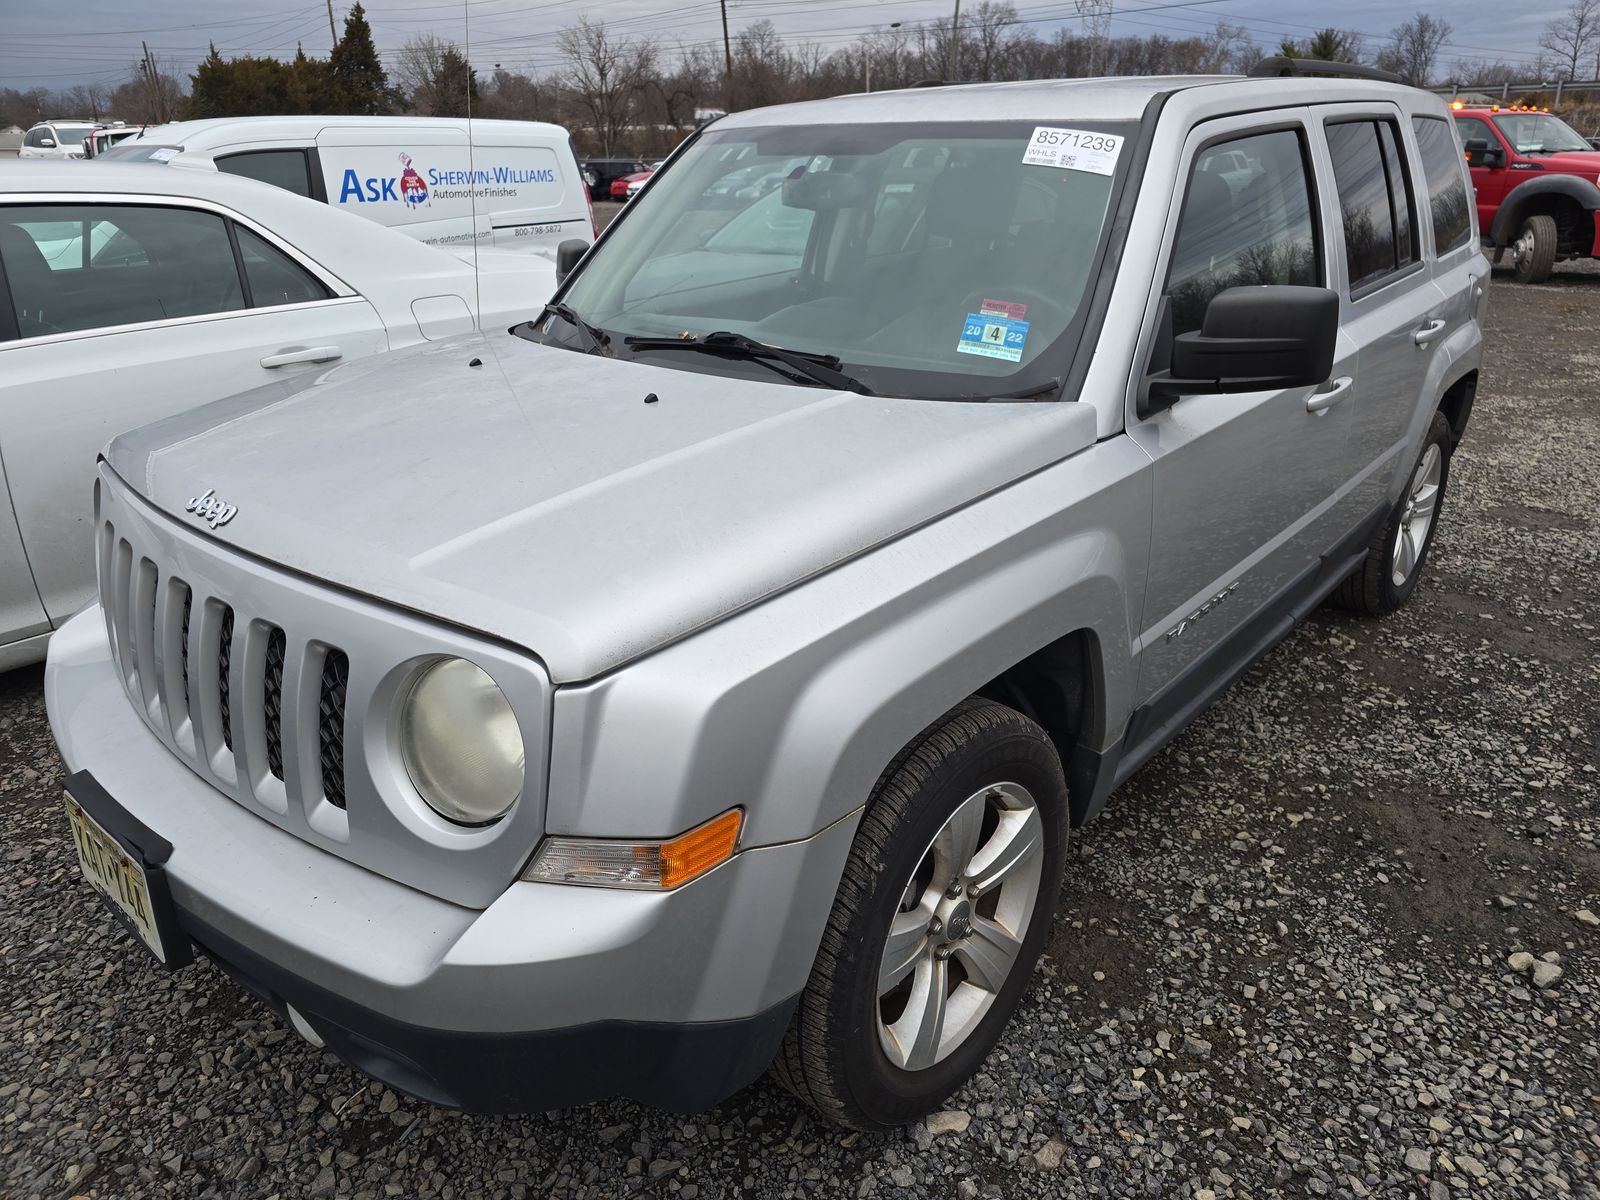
(1339,939)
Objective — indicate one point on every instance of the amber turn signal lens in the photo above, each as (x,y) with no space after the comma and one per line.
(696,852)
(638,866)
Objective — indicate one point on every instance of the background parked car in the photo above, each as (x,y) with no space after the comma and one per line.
(516,186)
(103,137)
(628,187)
(1535,181)
(600,173)
(56,139)
(135,292)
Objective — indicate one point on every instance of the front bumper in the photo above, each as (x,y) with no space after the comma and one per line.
(551,996)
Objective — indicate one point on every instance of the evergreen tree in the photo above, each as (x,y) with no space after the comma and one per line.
(363,86)
(455,82)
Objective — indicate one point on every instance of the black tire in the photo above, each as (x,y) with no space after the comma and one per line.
(832,1058)
(1535,263)
(1371,588)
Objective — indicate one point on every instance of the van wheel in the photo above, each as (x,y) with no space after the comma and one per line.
(945,903)
(1533,254)
(1397,551)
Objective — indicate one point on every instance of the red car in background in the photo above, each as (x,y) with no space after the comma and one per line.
(619,187)
(1537,183)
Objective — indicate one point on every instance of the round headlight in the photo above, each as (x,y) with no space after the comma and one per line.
(461,742)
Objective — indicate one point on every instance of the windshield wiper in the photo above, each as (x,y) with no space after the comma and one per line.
(599,339)
(818,368)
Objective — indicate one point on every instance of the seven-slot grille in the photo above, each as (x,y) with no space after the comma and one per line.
(160,629)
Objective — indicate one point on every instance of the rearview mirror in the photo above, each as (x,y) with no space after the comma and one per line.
(567,256)
(1482,153)
(1253,339)
(821,191)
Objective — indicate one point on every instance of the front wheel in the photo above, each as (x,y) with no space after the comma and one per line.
(945,904)
(1533,254)
(1388,576)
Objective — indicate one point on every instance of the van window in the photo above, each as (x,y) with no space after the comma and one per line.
(286,169)
(274,277)
(1374,200)
(1246,220)
(72,267)
(1448,207)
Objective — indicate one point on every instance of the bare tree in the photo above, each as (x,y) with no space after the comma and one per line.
(605,74)
(1415,49)
(1573,38)
(418,68)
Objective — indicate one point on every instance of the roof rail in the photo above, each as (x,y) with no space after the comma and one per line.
(1279,66)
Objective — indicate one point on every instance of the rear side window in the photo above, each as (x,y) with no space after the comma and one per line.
(275,278)
(73,267)
(1374,201)
(1246,220)
(281,168)
(1441,164)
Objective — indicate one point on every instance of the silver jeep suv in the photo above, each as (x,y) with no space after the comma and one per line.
(709,671)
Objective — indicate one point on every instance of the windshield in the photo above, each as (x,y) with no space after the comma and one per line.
(133,150)
(929,259)
(1539,133)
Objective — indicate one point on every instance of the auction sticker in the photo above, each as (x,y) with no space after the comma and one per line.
(1073,150)
(993,336)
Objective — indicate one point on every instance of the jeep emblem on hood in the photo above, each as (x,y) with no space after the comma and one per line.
(211,510)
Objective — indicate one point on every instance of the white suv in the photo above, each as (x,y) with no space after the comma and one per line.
(57,139)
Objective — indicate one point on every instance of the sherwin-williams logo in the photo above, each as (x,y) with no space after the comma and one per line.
(412,190)
(409,186)
(374,189)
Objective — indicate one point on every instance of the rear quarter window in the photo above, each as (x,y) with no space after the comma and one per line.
(1443,170)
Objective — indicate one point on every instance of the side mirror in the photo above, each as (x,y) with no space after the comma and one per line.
(1482,153)
(567,256)
(47,143)
(1253,339)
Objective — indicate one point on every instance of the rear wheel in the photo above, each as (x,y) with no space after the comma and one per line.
(944,906)
(1533,254)
(1388,576)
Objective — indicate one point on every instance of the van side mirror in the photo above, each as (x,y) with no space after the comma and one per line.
(1253,339)
(1482,153)
(567,256)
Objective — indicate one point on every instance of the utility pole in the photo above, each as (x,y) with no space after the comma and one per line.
(727,62)
(331,32)
(153,81)
(955,41)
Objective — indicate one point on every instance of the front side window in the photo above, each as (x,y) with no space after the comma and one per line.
(926,260)
(75,267)
(1374,200)
(1246,219)
(1449,208)
(281,168)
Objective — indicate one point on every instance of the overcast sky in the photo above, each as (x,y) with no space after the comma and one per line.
(56,46)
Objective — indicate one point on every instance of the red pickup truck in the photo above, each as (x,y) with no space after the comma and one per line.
(1538,186)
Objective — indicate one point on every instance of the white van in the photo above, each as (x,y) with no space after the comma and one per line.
(419,175)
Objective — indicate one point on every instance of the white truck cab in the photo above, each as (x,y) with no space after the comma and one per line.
(510,184)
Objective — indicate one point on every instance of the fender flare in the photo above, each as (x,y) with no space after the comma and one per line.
(1508,218)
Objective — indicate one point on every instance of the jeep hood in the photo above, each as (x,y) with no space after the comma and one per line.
(539,498)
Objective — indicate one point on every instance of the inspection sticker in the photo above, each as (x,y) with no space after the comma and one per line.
(993,336)
(165,154)
(1073,150)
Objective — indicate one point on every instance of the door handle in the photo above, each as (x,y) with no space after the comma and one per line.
(1428,332)
(313,354)
(1321,402)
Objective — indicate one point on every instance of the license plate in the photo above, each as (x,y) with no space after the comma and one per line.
(116,875)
